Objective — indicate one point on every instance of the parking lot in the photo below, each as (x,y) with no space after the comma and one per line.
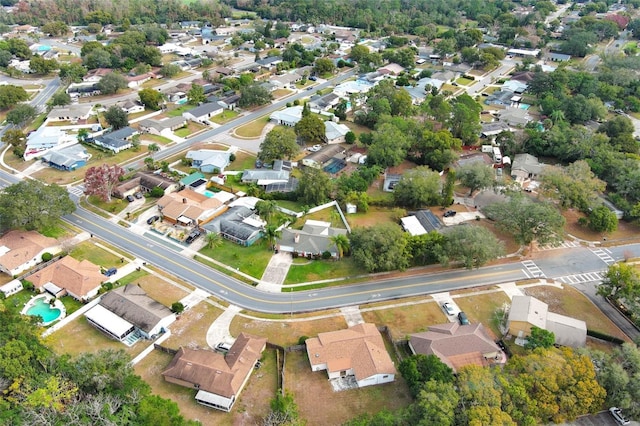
(600,419)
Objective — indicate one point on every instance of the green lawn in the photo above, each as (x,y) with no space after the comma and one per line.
(251,260)
(183,132)
(178,111)
(464,81)
(316,270)
(243,161)
(224,117)
(134,276)
(252,129)
(114,206)
(155,138)
(91,252)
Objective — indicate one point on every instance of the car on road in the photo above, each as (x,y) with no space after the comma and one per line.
(448,308)
(462,317)
(130,198)
(152,219)
(450,213)
(617,415)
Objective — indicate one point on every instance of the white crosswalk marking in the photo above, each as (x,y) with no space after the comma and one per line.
(581,278)
(78,191)
(533,269)
(563,245)
(604,255)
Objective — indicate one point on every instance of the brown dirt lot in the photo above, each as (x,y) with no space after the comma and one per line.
(191,328)
(319,405)
(569,301)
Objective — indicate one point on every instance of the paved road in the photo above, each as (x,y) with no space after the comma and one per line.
(502,70)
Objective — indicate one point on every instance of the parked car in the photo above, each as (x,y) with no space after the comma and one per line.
(315,148)
(152,219)
(462,317)
(448,308)
(223,347)
(193,235)
(313,78)
(110,272)
(138,195)
(130,198)
(617,415)
(450,213)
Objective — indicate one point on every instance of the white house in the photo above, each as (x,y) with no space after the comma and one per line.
(335,132)
(22,250)
(358,351)
(288,116)
(204,112)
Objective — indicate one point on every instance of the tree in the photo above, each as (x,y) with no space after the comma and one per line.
(153,148)
(101,180)
(155,410)
(254,95)
(284,411)
(310,128)
(324,66)
(435,149)
(539,338)
(350,137)
(314,187)
(21,114)
(266,209)
(475,176)
(111,83)
(417,188)
(33,205)
(195,95)
(271,234)
(380,248)
(11,95)
(358,53)
(279,143)
(419,369)
(388,147)
(528,221)
(574,186)
(621,281)
(473,246)
(465,119)
(151,98)
(39,65)
(14,137)
(55,28)
(341,241)
(59,98)
(214,240)
(601,219)
(448,188)
(435,404)
(116,117)
(72,73)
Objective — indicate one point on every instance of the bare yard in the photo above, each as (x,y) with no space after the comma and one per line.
(191,329)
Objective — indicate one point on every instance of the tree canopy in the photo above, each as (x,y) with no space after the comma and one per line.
(279,144)
(116,117)
(380,248)
(417,188)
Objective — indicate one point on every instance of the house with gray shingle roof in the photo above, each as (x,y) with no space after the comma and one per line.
(209,160)
(118,140)
(204,112)
(312,240)
(67,159)
(156,127)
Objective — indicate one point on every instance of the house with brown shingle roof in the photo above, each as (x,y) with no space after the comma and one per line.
(357,351)
(80,279)
(218,378)
(22,250)
(188,207)
(458,345)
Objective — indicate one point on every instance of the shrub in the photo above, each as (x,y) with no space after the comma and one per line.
(27,285)
(157,192)
(46,257)
(177,307)
(326,255)
(232,157)
(302,340)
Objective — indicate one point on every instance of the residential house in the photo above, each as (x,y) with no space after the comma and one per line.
(145,182)
(515,86)
(11,288)
(419,92)
(490,130)
(392,68)
(531,53)
(160,127)
(134,81)
(127,313)
(324,102)
(68,159)
(288,80)
(446,76)
(188,207)
(357,352)
(263,177)
(230,101)
(515,117)
(203,113)
(22,250)
(80,279)
(73,113)
(269,62)
(524,76)
(500,97)
(527,312)
(421,222)
(526,166)
(558,57)
(239,224)
(46,138)
(209,160)
(131,107)
(458,345)
(320,158)
(313,239)
(83,90)
(118,140)
(95,75)
(335,132)
(217,378)
(288,116)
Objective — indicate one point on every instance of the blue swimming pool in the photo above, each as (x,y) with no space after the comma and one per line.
(47,313)
(209,193)
(181,101)
(524,106)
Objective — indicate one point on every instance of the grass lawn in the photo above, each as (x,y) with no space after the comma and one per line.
(374,216)
(625,231)
(285,333)
(295,206)
(189,129)
(114,206)
(481,307)
(569,301)
(280,93)
(319,405)
(91,252)
(404,320)
(356,128)
(250,260)
(178,111)
(463,81)
(79,337)
(155,138)
(316,270)
(159,289)
(449,87)
(253,129)
(244,160)
(70,304)
(224,117)
(325,216)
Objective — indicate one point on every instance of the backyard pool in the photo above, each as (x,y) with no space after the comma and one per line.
(39,306)
(524,106)
(335,165)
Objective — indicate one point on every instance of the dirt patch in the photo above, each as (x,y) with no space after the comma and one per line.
(319,405)
(191,328)
(626,231)
(160,290)
(570,302)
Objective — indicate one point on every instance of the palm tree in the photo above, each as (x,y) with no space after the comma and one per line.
(271,233)
(153,148)
(214,240)
(334,217)
(266,209)
(557,116)
(341,242)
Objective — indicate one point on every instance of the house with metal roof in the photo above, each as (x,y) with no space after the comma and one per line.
(46,138)
(127,313)
(218,379)
(118,140)
(357,352)
(209,160)
(335,132)
(288,116)
(67,159)
(421,222)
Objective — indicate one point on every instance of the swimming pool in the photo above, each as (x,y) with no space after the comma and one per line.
(181,101)
(208,193)
(524,106)
(42,308)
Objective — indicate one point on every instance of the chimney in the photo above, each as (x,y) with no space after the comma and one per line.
(296,238)
(184,201)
